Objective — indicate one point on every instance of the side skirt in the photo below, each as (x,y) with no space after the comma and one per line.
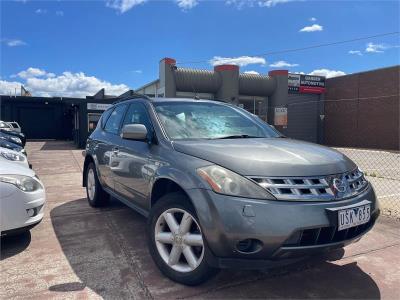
(128,203)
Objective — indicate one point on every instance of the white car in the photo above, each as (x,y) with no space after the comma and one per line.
(15,126)
(10,126)
(13,156)
(22,198)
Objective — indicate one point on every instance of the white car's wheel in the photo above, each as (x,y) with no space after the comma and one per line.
(176,241)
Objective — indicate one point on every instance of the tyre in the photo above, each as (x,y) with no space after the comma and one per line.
(176,242)
(95,194)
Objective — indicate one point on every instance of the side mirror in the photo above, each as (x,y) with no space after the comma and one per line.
(137,132)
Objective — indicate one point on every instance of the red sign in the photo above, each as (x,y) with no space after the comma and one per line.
(311,90)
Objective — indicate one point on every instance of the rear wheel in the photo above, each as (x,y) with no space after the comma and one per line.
(95,194)
(176,241)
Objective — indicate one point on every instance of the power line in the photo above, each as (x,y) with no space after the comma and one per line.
(305,48)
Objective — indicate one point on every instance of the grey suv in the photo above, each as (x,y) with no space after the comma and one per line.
(221,188)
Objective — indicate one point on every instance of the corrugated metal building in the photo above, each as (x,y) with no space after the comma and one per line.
(293,103)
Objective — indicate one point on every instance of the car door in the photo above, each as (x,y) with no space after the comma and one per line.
(107,144)
(131,178)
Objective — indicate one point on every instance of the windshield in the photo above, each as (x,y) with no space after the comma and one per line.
(204,120)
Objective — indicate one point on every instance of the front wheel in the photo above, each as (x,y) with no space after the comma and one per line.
(176,241)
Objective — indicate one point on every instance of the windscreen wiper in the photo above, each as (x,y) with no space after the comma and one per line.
(238,136)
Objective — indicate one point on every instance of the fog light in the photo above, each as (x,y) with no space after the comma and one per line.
(31,212)
(249,246)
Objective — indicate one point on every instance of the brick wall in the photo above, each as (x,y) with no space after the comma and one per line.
(362,110)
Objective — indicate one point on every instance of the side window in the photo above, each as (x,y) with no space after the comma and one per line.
(113,122)
(137,114)
(105,116)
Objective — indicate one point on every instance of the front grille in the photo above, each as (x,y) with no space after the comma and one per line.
(326,235)
(314,188)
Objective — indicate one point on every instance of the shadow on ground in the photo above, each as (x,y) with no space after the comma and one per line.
(106,249)
(58,145)
(14,244)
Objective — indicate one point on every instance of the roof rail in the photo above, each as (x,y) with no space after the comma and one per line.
(128,95)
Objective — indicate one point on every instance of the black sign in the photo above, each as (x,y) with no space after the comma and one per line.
(308,84)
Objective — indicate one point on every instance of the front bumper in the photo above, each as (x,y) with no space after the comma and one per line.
(20,210)
(277,225)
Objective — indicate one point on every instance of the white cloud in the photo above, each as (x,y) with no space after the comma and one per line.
(272,3)
(239,4)
(8,87)
(13,42)
(68,84)
(375,48)
(327,73)
(239,61)
(31,72)
(59,13)
(123,6)
(312,28)
(282,64)
(137,71)
(355,52)
(312,19)
(186,4)
(252,72)
(40,11)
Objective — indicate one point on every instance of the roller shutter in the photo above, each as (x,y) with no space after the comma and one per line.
(303,117)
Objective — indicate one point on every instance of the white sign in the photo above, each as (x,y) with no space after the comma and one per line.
(293,80)
(280,118)
(98,106)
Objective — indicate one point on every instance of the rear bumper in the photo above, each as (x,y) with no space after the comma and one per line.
(275,225)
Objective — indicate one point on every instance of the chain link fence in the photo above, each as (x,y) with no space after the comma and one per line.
(365,129)
(382,169)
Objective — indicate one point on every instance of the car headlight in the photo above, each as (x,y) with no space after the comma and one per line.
(13,156)
(24,183)
(226,182)
(16,140)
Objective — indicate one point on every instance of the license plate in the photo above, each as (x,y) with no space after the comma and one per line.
(354,216)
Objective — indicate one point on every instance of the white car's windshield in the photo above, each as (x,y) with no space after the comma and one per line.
(205,120)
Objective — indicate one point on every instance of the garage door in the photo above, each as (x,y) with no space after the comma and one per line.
(303,117)
(38,122)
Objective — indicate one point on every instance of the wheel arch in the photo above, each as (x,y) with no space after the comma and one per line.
(163,186)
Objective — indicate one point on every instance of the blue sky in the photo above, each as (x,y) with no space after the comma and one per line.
(74,47)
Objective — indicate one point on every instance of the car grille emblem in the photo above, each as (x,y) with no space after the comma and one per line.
(339,186)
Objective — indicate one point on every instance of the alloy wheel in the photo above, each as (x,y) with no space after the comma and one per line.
(179,240)
(91,184)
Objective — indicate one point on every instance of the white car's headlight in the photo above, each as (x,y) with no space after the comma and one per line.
(226,182)
(13,156)
(24,183)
